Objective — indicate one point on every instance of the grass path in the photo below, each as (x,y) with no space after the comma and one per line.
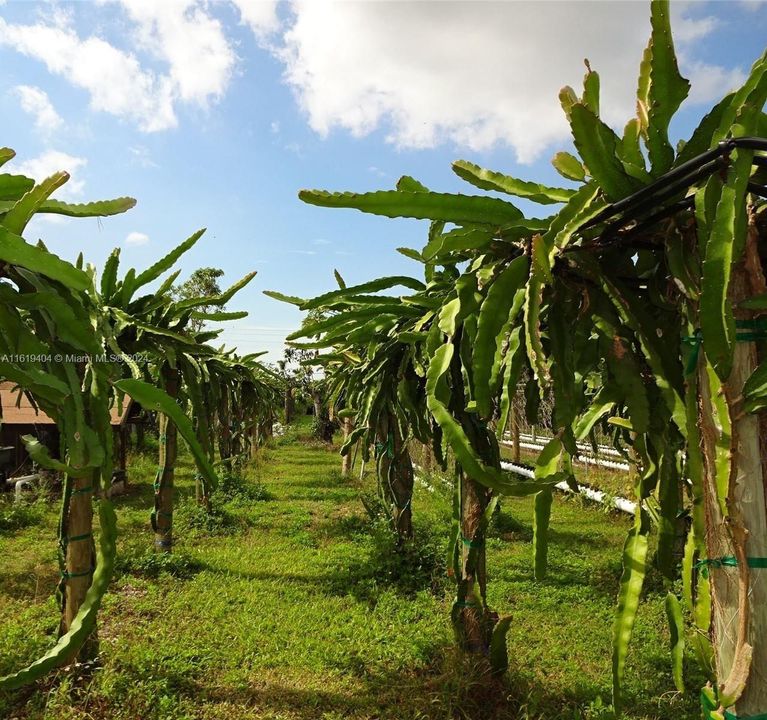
(291,607)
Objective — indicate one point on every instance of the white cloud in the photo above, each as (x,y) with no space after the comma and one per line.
(115,80)
(36,102)
(50,162)
(295,148)
(712,81)
(140,156)
(136,238)
(688,30)
(180,34)
(708,82)
(320,241)
(192,43)
(475,75)
(259,15)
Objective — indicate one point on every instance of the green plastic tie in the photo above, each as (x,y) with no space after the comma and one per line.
(165,514)
(694,341)
(66,575)
(759,324)
(467,604)
(708,707)
(757,328)
(469,543)
(81,491)
(757,563)
(752,336)
(75,538)
(388,447)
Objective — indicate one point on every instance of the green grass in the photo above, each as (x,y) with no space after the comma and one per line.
(293,608)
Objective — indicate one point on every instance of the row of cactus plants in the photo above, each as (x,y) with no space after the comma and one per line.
(77,345)
(638,305)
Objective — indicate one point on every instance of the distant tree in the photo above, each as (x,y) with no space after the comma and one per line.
(303,381)
(203,282)
(290,390)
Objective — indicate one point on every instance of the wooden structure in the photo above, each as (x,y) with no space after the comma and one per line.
(20,417)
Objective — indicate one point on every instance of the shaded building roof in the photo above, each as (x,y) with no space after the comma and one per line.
(18,410)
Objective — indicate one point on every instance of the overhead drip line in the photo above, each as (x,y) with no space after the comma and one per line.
(678,179)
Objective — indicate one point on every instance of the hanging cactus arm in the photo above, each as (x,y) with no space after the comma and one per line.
(85,620)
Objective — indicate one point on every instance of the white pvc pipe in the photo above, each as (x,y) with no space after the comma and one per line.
(625,467)
(22,483)
(517,469)
(619,503)
(14,480)
(601,449)
(586,459)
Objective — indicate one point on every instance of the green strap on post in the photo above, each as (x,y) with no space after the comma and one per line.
(694,341)
(757,325)
(748,331)
(80,491)
(757,563)
(751,336)
(388,447)
(709,707)
(67,575)
(473,544)
(75,538)
(158,477)
(467,604)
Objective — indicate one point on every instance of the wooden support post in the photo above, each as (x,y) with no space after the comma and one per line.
(516,450)
(165,478)
(346,460)
(739,592)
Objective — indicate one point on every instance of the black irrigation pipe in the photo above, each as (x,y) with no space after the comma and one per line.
(683,170)
(673,189)
(750,143)
(683,175)
(687,204)
(607,242)
(670,184)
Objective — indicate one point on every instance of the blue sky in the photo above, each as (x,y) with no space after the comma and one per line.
(215,114)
